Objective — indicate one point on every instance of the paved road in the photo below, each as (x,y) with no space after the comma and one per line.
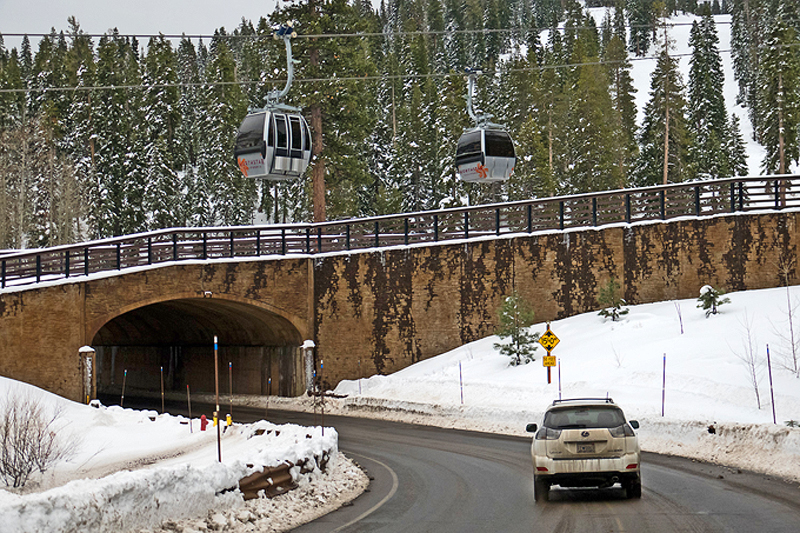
(435,480)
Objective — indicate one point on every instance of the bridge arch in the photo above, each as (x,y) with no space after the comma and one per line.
(174,334)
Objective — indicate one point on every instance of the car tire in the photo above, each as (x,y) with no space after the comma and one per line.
(633,489)
(541,490)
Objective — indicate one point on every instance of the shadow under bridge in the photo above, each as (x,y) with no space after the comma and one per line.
(259,349)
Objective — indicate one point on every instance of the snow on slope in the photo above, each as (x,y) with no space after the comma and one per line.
(706,380)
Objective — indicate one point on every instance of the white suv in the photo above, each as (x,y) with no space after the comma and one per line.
(585,442)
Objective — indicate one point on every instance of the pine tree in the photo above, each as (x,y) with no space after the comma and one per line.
(622,92)
(707,115)
(516,317)
(334,106)
(117,185)
(640,17)
(228,197)
(711,299)
(664,138)
(163,198)
(609,297)
(778,95)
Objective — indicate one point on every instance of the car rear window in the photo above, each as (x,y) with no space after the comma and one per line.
(584,417)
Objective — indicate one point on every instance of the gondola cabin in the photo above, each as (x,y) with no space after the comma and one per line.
(273,146)
(485,155)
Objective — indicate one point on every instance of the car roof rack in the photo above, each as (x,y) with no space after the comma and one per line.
(606,400)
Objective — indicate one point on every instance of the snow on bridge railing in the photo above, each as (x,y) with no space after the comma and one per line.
(700,198)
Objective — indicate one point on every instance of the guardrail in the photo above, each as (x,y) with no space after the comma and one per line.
(700,198)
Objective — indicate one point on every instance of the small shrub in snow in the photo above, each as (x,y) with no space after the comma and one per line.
(516,316)
(609,297)
(29,440)
(710,299)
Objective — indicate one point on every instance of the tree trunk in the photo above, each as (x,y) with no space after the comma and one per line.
(666,144)
(318,170)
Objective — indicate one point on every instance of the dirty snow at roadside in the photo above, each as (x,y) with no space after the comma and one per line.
(163,470)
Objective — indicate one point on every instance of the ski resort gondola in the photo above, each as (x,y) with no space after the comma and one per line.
(274,143)
(484,153)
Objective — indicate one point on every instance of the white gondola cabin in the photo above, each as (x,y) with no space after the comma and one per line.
(485,155)
(273,145)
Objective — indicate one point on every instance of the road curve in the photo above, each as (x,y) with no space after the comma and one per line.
(427,479)
(437,480)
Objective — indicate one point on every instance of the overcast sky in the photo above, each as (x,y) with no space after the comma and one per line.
(129,16)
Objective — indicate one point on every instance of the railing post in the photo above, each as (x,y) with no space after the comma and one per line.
(466,224)
(347,234)
(733,197)
(283,241)
(405,231)
(697,200)
(319,239)
(308,240)
(628,208)
(741,196)
(119,256)
(66,263)
(150,250)
(662,204)
(561,214)
(38,268)
(231,239)
(86,261)
(258,241)
(436,228)
(174,246)
(497,221)
(530,218)
(594,210)
(777,196)
(205,246)
(3,275)
(377,238)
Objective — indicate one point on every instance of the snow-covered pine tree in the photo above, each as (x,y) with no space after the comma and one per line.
(711,299)
(163,195)
(778,93)
(707,116)
(229,197)
(516,317)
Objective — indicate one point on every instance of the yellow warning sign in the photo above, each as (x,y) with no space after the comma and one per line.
(549,341)
(549,360)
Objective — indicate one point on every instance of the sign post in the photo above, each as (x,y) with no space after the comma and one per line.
(548,340)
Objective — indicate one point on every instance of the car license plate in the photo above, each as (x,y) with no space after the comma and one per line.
(586,448)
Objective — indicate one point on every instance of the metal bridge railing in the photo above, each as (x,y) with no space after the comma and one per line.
(699,198)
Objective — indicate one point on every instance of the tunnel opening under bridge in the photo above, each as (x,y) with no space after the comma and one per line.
(258,350)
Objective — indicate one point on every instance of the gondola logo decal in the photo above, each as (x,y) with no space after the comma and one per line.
(243,166)
(482,170)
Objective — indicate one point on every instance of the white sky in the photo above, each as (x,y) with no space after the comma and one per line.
(130,17)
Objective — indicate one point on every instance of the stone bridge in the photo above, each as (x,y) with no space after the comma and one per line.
(370,311)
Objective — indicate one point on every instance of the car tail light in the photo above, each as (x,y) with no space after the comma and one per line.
(621,431)
(541,469)
(546,433)
(632,466)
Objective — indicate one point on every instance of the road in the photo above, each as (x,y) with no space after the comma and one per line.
(429,479)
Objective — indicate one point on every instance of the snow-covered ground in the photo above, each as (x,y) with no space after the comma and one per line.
(669,350)
(131,470)
(666,350)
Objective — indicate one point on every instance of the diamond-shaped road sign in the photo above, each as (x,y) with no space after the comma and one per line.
(548,340)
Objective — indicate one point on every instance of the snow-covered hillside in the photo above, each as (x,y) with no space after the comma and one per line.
(707,378)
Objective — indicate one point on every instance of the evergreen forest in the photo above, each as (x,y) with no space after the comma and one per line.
(104,135)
